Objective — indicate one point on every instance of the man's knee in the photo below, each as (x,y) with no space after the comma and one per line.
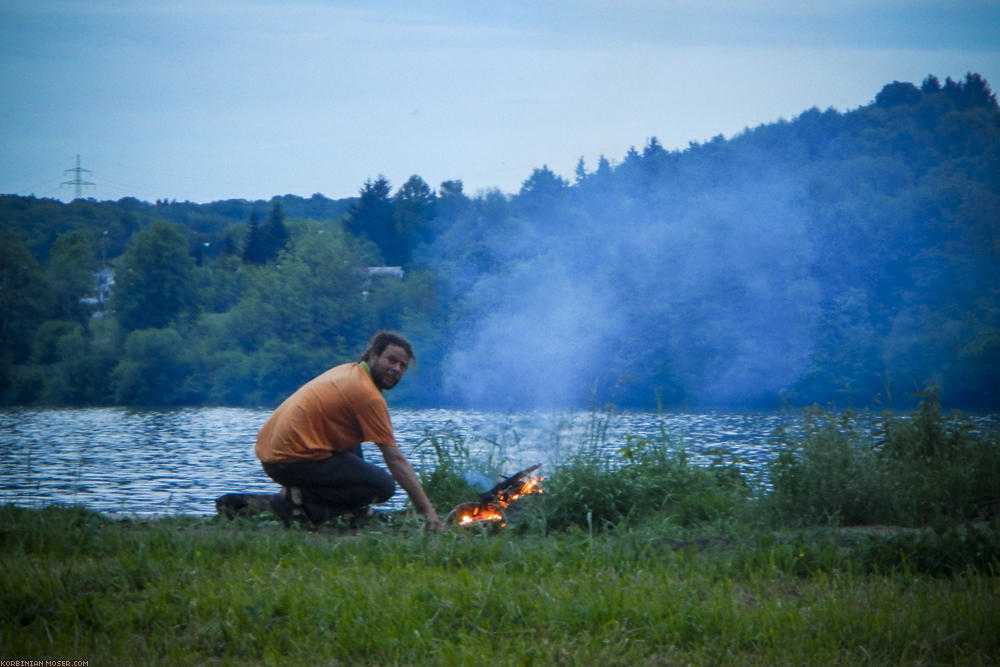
(385,489)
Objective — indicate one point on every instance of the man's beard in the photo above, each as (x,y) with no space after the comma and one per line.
(385,381)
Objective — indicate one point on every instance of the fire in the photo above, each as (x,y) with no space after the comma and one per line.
(471,513)
(491,506)
(530,486)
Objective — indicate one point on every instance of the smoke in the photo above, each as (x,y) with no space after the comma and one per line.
(748,262)
(539,342)
(707,297)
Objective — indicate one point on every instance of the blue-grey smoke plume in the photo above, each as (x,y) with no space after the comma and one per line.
(709,292)
(539,343)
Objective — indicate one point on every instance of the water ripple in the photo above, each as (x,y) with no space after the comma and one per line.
(154,463)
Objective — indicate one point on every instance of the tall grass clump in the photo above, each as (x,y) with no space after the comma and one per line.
(651,479)
(453,470)
(940,468)
(447,483)
(826,473)
(907,471)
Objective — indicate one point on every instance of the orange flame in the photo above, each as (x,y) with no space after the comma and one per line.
(468,514)
(477,513)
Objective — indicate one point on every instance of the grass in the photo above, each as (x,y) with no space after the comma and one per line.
(209,591)
(643,560)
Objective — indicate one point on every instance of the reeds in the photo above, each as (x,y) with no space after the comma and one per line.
(923,469)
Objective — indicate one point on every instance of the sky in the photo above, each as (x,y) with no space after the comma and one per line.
(207,100)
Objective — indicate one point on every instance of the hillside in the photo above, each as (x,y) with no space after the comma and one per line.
(843,258)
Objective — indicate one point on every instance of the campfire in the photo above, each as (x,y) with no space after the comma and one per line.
(491,505)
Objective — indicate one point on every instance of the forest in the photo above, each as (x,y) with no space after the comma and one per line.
(847,259)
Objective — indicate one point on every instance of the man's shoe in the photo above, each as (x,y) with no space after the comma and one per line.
(289,512)
(362,516)
(278,506)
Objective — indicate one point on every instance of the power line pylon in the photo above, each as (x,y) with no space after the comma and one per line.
(77,181)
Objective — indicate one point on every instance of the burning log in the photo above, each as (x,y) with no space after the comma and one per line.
(490,508)
(501,490)
(476,514)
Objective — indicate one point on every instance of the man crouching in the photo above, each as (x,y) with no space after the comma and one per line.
(311,444)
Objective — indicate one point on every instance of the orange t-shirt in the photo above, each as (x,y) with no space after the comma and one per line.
(333,412)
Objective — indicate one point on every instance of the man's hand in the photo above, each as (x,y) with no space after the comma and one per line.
(405,476)
(434,523)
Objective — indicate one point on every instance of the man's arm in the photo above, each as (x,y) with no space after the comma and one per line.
(406,477)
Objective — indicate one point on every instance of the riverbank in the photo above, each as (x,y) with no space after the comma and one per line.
(184,590)
(858,544)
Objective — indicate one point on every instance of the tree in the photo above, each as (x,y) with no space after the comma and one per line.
(371,216)
(276,231)
(897,93)
(310,299)
(298,316)
(975,92)
(542,194)
(154,280)
(452,204)
(44,349)
(256,250)
(71,269)
(153,369)
(24,300)
(580,172)
(264,242)
(603,168)
(413,215)
(82,373)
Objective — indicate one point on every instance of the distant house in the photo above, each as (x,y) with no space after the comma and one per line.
(381,272)
(394,271)
(104,279)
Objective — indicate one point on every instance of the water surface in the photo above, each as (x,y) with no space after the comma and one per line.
(152,463)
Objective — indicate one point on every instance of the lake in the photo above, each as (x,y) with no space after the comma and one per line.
(148,463)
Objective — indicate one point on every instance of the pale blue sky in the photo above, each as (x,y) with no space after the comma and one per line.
(248,99)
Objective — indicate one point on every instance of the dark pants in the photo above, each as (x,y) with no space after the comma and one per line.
(338,484)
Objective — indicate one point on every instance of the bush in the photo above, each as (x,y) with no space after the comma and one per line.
(654,480)
(940,467)
(937,553)
(153,368)
(909,471)
(828,474)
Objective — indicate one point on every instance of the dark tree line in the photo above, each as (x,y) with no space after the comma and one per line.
(263,243)
(837,257)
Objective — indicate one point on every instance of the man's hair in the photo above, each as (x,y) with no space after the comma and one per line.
(382,340)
